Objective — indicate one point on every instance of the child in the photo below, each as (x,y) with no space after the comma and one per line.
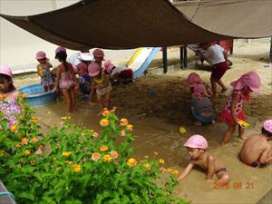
(43,69)
(98,56)
(118,75)
(216,56)
(256,149)
(101,84)
(196,146)
(66,79)
(201,106)
(9,96)
(194,78)
(233,112)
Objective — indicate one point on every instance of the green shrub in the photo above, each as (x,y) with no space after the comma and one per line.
(72,164)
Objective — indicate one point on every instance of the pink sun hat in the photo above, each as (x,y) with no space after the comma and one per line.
(41,55)
(196,141)
(268,125)
(192,79)
(6,70)
(94,69)
(250,79)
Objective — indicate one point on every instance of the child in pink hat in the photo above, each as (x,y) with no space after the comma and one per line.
(233,112)
(9,106)
(197,147)
(193,79)
(257,150)
(100,84)
(201,106)
(43,70)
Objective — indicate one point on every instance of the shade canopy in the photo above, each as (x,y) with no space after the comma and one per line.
(126,24)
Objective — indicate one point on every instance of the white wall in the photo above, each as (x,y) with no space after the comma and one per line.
(17,46)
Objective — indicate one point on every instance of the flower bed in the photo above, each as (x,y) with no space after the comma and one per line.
(72,164)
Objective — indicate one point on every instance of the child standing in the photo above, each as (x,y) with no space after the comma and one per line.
(233,112)
(256,149)
(9,96)
(66,79)
(101,84)
(43,70)
(196,146)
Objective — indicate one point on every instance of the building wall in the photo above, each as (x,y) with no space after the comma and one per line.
(17,46)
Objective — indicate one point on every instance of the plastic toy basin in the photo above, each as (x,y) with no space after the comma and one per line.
(36,95)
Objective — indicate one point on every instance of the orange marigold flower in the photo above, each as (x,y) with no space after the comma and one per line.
(34,140)
(123,122)
(66,154)
(18,145)
(13,128)
(123,133)
(103,148)
(161,161)
(130,127)
(26,152)
(105,112)
(114,154)
(25,95)
(107,158)
(39,151)
(96,156)
(148,166)
(24,141)
(76,167)
(104,122)
(95,135)
(131,162)
(176,172)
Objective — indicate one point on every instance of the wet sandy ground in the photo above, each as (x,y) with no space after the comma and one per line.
(157,118)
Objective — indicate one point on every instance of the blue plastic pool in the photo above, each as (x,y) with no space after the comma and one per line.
(36,96)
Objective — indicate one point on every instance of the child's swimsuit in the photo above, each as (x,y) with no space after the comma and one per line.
(103,85)
(66,80)
(47,78)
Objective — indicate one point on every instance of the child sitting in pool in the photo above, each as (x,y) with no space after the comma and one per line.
(256,149)
(197,149)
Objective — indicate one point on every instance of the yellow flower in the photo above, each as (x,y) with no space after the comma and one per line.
(96,156)
(161,161)
(76,167)
(130,127)
(34,140)
(104,122)
(103,148)
(176,172)
(131,162)
(66,154)
(24,141)
(66,118)
(26,152)
(123,122)
(105,112)
(107,158)
(13,128)
(34,119)
(147,166)
(114,154)
(18,146)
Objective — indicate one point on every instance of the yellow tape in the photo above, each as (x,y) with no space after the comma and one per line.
(135,55)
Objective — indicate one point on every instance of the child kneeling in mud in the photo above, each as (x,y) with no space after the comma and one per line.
(256,150)
(197,149)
